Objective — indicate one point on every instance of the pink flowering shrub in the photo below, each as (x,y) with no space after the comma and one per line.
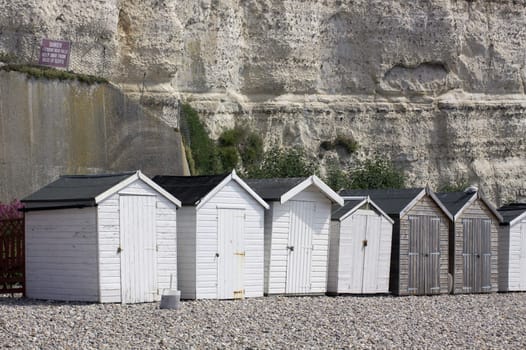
(11,210)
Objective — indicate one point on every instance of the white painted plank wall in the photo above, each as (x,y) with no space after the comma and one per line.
(334,255)
(109,242)
(186,252)
(61,255)
(384,259)
(504,258)
(510,241)
(320,240)
(267,243)
(109,233)
(206,242)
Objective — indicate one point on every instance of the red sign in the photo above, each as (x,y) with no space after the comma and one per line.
(54,53)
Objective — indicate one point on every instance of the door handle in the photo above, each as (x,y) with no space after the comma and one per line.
(426,255)
(364,242)
(217,255)
(290,247)
(478,255)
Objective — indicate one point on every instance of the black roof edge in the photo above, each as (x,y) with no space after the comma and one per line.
(77,206)
(55,200)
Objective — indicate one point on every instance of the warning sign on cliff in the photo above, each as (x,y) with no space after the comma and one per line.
(54,53)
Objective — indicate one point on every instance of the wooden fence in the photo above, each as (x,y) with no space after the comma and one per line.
(12,253)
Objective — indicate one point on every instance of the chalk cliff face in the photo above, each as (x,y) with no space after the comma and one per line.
(438,86)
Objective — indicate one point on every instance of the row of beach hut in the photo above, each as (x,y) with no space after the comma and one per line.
(126,238)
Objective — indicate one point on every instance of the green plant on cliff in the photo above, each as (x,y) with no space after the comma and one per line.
(200,149)
(239,144)
(336,177)
(278,162)
(40,72)
(459,185)
(349,145)
(376,173)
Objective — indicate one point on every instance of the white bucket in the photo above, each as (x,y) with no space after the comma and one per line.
(170,299)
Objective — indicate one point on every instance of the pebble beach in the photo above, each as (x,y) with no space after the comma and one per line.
(436,322)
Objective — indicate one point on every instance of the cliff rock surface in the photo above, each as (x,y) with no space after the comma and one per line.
(438,86)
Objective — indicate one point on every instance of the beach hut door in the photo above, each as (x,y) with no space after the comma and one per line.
(424,255)
(371,250)
(299,247)
(137,248)
(477,255)
(231,253)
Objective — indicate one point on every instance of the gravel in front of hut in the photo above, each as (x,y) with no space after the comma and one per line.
(477,321)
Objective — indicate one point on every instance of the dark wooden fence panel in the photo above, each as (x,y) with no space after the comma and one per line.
(12,256)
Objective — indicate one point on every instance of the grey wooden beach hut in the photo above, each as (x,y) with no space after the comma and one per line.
(512,248)
(220,236)
(296,233)
(473,241)
(359,248)
(419,253)
(100,238)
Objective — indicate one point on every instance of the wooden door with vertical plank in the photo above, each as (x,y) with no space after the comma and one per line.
(355,251)
(371,249)
(476,255)
(299,247)
(231,253)
(138,248)
(424,255)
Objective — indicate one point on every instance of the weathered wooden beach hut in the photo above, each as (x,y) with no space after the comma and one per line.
(296,233)
(100,238)
(220,236)
(473,241)
(512,248)
(419,250)
(359,248)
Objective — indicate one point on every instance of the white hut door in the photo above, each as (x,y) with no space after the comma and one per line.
(137,248)
(356,252)
(522,271)
(231,253)
(299,247)
(371,248)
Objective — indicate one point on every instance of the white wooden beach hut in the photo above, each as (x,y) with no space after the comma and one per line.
(296,233)
(420,243)
(359,248)
(512,248)
(100,238)
(220,236)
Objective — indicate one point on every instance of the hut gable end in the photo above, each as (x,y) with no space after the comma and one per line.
(426,206)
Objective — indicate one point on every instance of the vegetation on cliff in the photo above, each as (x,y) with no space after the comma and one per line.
(40,72)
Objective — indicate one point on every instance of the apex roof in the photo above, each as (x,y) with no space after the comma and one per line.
(511,212)
(392,201)
(273,189)
(283,189)
(78,191)
(189,189)
(197,190)
(455,201)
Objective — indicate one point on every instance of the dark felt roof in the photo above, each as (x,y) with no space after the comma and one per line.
(72,191)
(391,201)
(454,201)
(189,189)
(273,189)
(338,212)
(511,211)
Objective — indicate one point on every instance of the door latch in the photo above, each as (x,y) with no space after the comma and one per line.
(290,247)
(364,242)
(217,255)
